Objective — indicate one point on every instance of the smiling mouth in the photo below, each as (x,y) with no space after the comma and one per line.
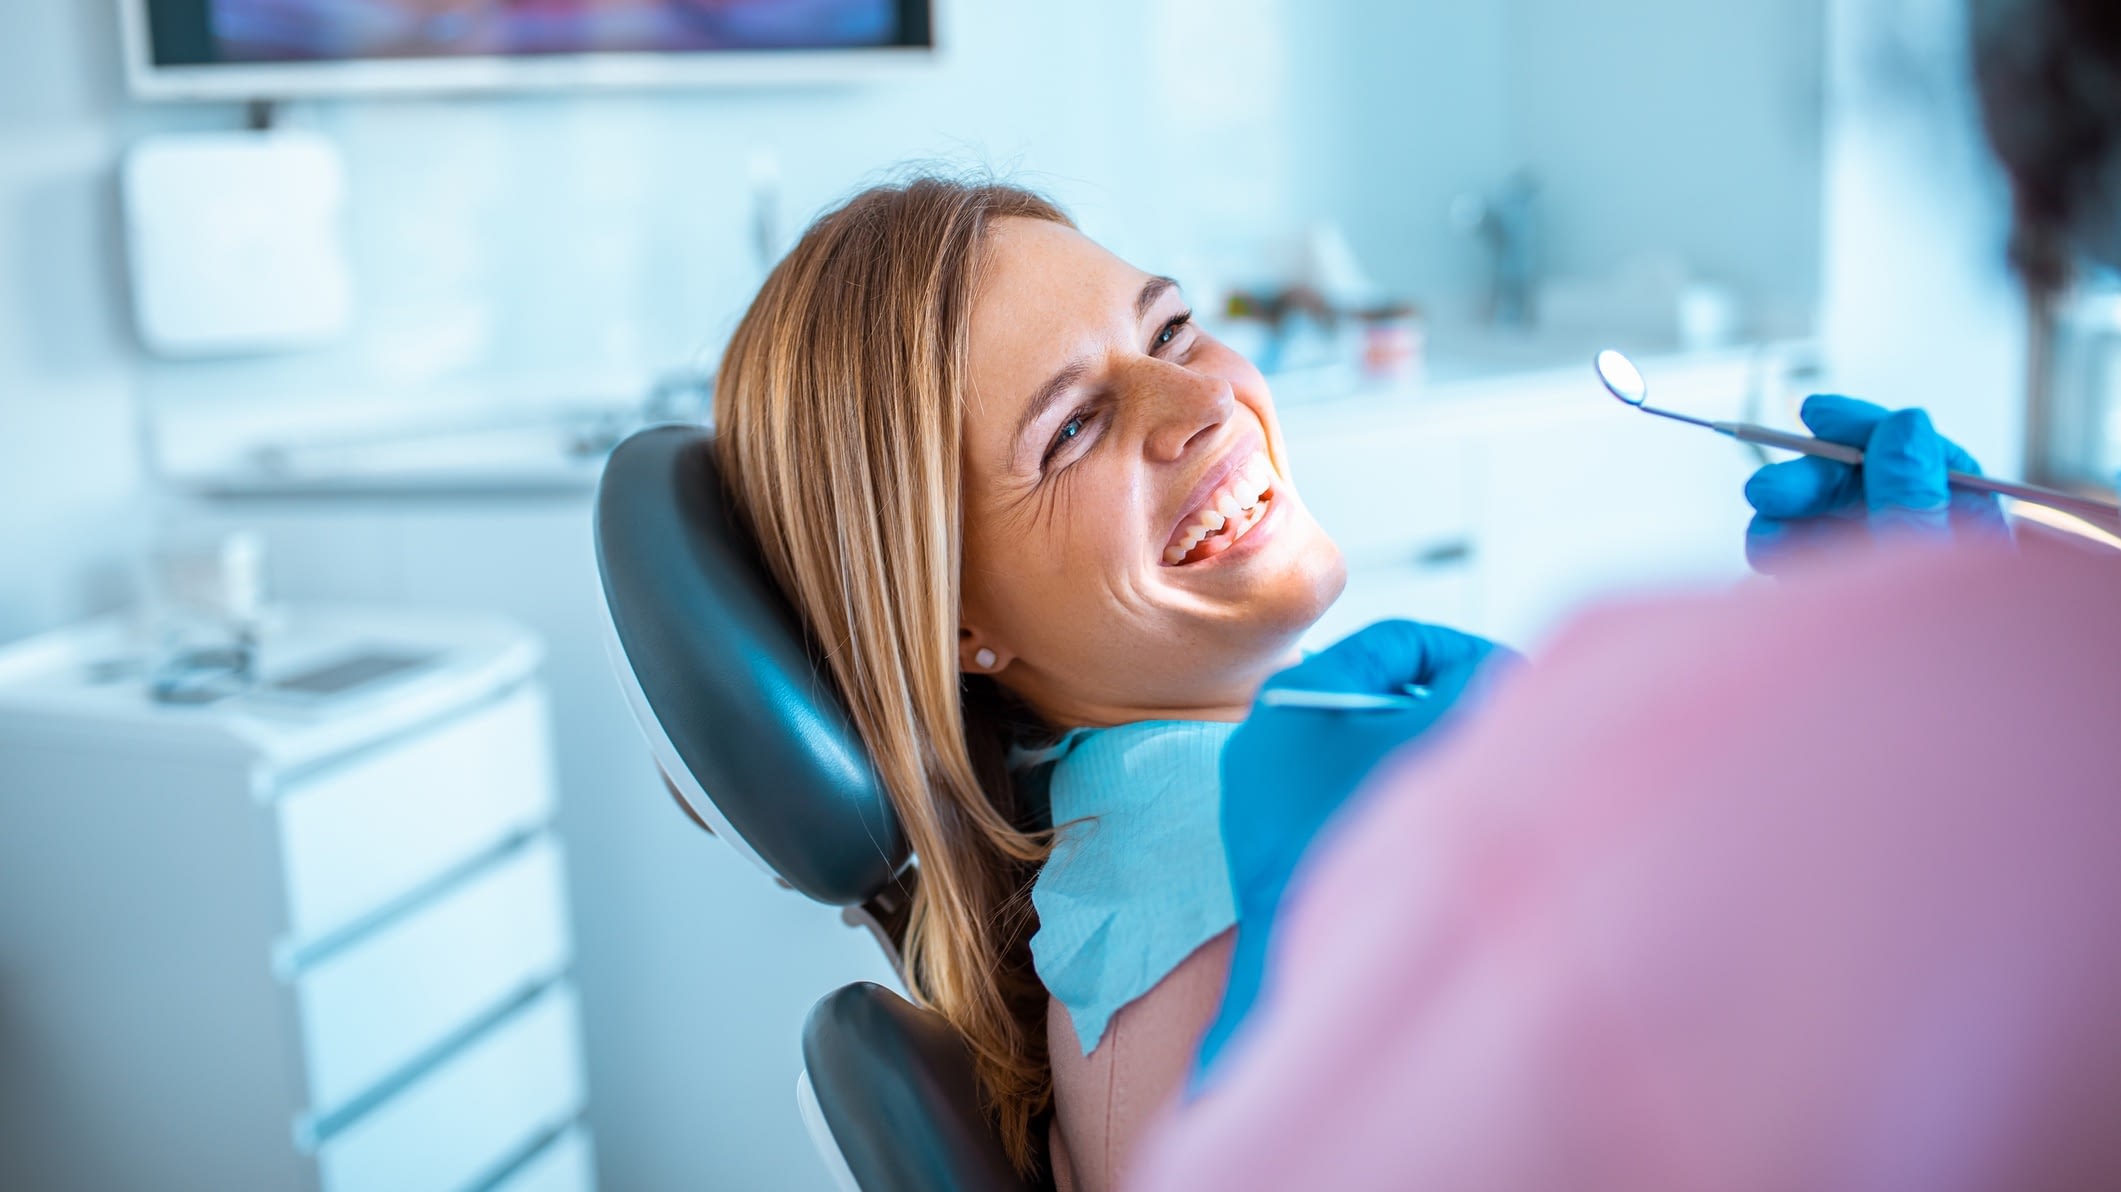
(1239,504)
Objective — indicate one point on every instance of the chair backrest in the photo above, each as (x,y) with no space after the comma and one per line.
(754,740)
(749,732)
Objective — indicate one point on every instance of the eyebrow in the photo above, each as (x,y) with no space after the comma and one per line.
(1072,372)
(1154,288)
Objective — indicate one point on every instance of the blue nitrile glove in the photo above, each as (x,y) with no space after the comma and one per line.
(1286,771)
(1900,489)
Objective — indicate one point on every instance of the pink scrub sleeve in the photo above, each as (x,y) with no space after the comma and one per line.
(1806,885)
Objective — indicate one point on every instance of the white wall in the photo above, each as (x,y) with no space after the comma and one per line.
(69,474)
(1919,305)
(1399,106)
(1674,126)
(493,268)
(549,247)
(1666,129)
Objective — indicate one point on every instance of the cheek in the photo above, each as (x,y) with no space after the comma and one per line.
(1061,554)
(1092,529)
(985,579)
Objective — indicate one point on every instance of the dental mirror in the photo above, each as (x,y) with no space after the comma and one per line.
(1621,378)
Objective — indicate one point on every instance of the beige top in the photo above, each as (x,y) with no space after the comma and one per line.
(1105,1102)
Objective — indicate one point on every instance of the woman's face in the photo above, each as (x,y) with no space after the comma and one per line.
(1133,546)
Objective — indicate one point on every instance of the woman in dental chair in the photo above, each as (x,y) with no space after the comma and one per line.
(1043,529)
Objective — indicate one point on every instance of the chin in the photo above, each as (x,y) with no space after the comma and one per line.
(1331,581)
(1307,589)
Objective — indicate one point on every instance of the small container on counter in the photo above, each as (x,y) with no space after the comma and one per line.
(1394,342)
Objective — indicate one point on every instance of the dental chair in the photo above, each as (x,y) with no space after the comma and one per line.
(755,745)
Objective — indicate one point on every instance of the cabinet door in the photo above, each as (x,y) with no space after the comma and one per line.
(1384,493)
(472,1117)
(566,1164)
(382,825)
(1599,500)
(1397,498)
(1435,582)
(380,1005)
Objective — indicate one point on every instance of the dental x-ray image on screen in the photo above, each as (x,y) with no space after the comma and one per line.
(310,30)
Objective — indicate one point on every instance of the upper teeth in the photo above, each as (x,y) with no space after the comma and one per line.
(1239,495)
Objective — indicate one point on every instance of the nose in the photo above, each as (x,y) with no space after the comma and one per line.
(1185,408)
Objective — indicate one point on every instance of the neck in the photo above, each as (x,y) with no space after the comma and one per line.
(1229,699)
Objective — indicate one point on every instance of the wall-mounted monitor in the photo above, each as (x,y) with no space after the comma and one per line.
(279,49)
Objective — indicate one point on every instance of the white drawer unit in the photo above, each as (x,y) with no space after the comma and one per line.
(463,1122)
(564,1164)
(378,1006)
(384,824)
(268,944)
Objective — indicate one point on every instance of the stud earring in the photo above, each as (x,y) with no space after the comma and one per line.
(983,658)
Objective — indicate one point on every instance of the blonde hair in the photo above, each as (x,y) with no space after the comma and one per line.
(839,422)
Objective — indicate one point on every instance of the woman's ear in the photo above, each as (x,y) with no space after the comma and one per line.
(976,655)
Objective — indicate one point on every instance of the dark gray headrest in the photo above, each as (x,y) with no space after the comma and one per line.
(720,673)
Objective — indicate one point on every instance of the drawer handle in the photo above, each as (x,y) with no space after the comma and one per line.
(1456,552)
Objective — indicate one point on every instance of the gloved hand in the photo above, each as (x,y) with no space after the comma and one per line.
(1900,489)
(1286,770)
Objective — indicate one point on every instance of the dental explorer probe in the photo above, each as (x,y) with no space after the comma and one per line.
(1624,381)
(1339,701)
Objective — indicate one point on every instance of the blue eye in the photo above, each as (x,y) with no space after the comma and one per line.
(1071,430)
(1171,329)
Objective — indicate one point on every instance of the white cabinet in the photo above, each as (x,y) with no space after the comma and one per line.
(507,1089)
(689,1068)
(263,945)
(343,837)
(375,1006)
(1499,505)
(1400,504)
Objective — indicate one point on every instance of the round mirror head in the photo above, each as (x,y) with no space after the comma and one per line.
(1621,378)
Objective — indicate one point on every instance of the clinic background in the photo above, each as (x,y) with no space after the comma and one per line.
(1816,162)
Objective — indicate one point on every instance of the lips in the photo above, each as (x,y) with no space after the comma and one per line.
(1240,493)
